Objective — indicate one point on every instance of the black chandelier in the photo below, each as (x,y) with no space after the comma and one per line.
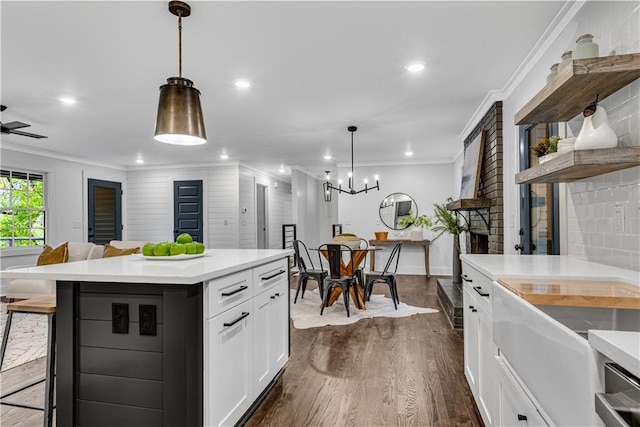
(328,187)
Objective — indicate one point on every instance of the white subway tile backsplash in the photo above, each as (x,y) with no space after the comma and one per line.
(616,27)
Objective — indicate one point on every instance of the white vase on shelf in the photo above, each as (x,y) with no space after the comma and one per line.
(596,132)
(416,233)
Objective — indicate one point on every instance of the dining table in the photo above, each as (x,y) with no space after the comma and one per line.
(348,269)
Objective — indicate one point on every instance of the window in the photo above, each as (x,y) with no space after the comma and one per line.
(22,214)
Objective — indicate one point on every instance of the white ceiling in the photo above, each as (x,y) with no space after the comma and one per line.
(316,67)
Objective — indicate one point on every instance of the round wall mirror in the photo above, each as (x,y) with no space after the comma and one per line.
(396,206)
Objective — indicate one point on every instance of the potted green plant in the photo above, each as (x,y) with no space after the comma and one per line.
(447,221)
(419,222)
(545,147)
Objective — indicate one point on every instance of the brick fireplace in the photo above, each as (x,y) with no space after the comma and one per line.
(486,234)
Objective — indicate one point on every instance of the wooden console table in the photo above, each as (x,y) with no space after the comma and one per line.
(424,243)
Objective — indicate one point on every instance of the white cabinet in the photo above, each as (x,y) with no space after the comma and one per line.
(271,345)
(479,348)
(513,406)
(246,335)
(470,327)
(229,357)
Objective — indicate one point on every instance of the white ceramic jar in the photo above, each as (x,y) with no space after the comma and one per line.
(566,60)
(585,47)
(553,73)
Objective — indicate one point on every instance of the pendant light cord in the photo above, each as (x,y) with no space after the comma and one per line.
(179,43)
(353,177)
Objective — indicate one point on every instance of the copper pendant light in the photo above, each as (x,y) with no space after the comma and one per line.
(180,120)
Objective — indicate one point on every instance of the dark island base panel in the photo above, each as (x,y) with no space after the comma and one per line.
(129,355)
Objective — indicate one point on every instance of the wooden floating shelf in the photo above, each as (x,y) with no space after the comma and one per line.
(580,164)
(577,85)
(468,204)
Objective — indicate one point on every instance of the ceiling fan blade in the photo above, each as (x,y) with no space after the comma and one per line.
(31,135)
(14,125)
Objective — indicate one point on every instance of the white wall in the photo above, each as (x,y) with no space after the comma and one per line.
(66,199)
(313,217)
(279,211)
(426,184)
(590,202)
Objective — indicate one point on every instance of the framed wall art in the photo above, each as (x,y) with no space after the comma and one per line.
(471,167)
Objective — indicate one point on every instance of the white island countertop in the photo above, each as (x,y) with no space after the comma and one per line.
(136,269)
(547,267)
(620,346)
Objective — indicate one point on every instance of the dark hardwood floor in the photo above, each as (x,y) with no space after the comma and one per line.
(376,372)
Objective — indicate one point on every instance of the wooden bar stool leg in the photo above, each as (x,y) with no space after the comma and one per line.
(5,337)
(51,372)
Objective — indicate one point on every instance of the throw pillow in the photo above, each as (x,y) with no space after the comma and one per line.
(111,251)
(50,255)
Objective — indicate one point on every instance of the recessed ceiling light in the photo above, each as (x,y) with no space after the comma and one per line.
(67,100)
(242,84)
(224,156)
(414,68)
(327,157)
(139,161)
(408,153)
(282,169)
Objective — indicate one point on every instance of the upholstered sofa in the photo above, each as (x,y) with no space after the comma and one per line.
(78,251)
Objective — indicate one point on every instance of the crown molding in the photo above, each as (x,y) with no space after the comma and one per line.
(557,25)
(59,156)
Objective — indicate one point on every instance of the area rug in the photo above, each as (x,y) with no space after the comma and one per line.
(306,312)
(27,337)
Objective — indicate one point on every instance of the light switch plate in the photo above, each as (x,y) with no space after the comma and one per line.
(618,219)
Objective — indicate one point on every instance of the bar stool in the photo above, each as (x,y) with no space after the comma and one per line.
(41,305)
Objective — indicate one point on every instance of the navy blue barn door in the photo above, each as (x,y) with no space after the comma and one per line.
(187,209)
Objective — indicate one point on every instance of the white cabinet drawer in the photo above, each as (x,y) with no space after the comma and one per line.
(514,406)
(479,285)
(227,292)
(268,275)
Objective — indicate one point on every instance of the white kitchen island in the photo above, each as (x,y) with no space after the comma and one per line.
(531,364)
(161,342)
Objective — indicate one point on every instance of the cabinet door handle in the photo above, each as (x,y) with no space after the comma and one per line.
(244,314)
(478,289)
(473,310)
(522,417)
(466,278)
(274,296)
(471,307)
(240,289)
(274,275)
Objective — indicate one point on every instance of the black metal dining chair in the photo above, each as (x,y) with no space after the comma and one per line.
(306,273)
(336,278)
(388,276)
(364,244)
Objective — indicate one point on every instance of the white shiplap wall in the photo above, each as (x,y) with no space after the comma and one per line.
(228,189)
(222,210)
(247,213)
(150,201)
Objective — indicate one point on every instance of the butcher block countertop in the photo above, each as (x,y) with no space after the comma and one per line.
(575,293)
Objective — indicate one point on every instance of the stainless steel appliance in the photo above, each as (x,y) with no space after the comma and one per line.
(619,405)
